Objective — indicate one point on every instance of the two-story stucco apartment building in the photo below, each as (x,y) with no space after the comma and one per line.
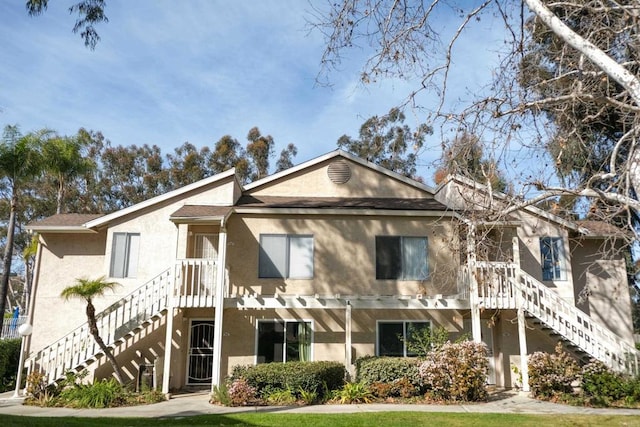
(333,259)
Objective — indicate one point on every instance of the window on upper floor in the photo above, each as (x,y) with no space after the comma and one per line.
(284,341)
(124,255)
(552,258)
(401,258)
(392,337)
(286,256)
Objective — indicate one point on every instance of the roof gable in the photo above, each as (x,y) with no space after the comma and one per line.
(338,174)
(196,187)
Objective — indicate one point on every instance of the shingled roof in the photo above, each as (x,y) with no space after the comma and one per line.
(601,229)
(340,203)
(63,222)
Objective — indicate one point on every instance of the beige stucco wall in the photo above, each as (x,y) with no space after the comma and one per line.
(64,258)
(532,228)
(314,182)
(602,289)
(240,329)
(344,254)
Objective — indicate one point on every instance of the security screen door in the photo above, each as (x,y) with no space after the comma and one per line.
(200,367)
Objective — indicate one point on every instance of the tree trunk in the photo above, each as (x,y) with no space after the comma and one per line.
(60,196)
(93,329)
(8,256)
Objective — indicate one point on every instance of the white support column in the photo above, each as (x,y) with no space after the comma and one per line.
(474,300)
(522,338)
(522,321)
(347,338)
(220,294)
(168,345)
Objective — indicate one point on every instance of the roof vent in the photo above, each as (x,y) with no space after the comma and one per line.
(339,172)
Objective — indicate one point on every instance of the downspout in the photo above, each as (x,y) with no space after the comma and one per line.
(219,308)
(348,340)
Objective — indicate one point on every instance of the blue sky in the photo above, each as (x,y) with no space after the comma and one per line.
(166,72)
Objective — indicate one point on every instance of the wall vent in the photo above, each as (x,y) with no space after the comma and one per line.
(339,172)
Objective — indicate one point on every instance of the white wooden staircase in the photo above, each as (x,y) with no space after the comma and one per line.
(505,286)
(189,284)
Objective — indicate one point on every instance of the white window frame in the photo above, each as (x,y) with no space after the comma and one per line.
(290,271)
(558,260)
(284,348)
(128,260)
(403,267)
(405,328)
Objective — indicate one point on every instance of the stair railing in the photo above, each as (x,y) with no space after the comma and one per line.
(114,323)
(499,283)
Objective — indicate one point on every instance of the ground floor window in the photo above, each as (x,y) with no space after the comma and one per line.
(284,341)
(392,337)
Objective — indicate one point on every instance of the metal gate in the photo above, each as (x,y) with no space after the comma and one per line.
(200,369)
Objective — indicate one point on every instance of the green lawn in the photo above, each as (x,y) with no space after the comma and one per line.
(400,419)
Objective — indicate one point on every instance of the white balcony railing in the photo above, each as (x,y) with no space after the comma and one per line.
(195,282)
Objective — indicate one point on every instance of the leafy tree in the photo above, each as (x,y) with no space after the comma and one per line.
(129,175)
(592,56)
(88,290)
(188,165)
(63,158)
(227,154)
(20,160)
(90,13)
(385,141)
(464,156)
(285,161)
(259,150)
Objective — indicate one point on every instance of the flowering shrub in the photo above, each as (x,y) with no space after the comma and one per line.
(241,393)
(456,372)
(552,374)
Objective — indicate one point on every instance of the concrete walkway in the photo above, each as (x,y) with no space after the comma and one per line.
(198,404)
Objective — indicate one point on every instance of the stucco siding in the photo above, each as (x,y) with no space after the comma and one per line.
(315,182)
(64,258)
(344,255)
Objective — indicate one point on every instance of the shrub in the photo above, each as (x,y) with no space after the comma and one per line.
(38,392)
(387,370)
(313,377)
(281,397)
(9,357)
(101,394)
(354,393)
(220,394)
(602,385)
(241,393)
(421,341)
(456,372)
(551,375)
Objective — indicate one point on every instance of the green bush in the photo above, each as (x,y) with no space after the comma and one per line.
(603,385)
(551,375)
(371,370)
(9,357)
(354,393)
(456,372)
(316,377)
(101,394)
